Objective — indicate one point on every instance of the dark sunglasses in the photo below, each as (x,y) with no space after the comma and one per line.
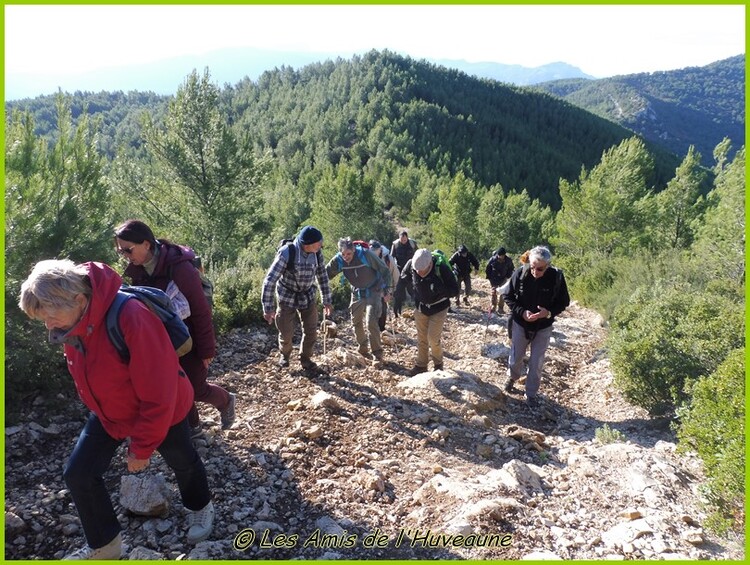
(125,251)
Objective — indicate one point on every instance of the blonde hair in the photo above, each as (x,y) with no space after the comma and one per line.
(53,285)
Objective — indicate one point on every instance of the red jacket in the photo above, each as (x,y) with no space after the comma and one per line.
(141,399)
(176,260)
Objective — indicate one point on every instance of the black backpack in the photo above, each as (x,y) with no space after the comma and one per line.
(292,250)
(160,304)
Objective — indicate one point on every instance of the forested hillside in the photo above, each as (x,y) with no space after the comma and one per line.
(693,106)
(388,108)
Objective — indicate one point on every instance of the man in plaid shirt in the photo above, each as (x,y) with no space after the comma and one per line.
(292,274)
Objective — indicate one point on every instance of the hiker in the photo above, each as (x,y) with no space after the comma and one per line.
(144,401)
(382,251)
(536,294)
(370,280)
(298,264)
(158,263)
(499,269)
(462,261)
(434,285)
(402,249)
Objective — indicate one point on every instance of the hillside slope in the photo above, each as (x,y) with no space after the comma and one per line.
(365,450)
(697,106)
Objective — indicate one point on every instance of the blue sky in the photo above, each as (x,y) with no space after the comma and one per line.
(601,40)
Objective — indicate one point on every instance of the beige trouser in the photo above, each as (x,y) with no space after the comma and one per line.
(429,333)
(285,324)
(366,311)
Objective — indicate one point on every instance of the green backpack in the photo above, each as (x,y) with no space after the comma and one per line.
(440,259)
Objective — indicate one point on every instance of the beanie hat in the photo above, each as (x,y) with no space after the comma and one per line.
(422,259)
(500,251)
(309,235)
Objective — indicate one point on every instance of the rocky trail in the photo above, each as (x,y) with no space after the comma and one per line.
(362,461)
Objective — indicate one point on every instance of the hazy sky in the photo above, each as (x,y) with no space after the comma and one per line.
(601,40)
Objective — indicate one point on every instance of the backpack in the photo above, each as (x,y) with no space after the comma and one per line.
(159,303)
(440,259)
(360,252)
(361,243)
(206,284)
(289,244)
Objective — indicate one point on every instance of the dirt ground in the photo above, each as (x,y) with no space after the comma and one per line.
(360,461)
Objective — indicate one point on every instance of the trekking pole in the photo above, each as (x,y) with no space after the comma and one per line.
(324,329)
(393,325)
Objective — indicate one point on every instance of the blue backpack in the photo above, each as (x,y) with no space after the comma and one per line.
(160,304)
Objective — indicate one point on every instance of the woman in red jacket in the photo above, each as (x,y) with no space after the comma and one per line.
(153,262)
(144,400)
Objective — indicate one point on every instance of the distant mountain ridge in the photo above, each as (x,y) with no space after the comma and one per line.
(231,65)
(517,74)
(693,106)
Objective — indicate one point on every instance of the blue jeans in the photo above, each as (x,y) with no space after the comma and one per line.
(84,475)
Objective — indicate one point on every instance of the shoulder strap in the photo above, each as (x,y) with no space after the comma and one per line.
(112,321)
(291,265)
(558,283)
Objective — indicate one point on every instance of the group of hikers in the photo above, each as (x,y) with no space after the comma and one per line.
(146,397)
(535,293)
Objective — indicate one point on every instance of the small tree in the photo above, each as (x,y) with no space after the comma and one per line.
(56,206)
(678,206)
(211,194)
(456,221)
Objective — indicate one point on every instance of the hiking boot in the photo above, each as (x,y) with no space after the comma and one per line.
(307,364)
(417,370)
(196,431)
(283,361)
(227,415)
(531,401)
(438,366)
(200,523)
(509,385)
(466,300)
(378,355)
(113,550)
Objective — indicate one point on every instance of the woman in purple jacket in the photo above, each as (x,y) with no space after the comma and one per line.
(155,263)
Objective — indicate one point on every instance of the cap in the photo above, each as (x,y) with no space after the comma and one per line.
(422,259)
(309,235)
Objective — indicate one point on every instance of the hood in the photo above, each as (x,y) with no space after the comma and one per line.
(171,254)
(105,282)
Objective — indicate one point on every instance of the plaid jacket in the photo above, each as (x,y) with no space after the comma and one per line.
(295,290)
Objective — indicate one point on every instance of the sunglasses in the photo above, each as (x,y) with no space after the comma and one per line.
(125,250)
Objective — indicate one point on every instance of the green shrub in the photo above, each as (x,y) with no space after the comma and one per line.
(605,435)
(661,339)
(237,294)
(713,426)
